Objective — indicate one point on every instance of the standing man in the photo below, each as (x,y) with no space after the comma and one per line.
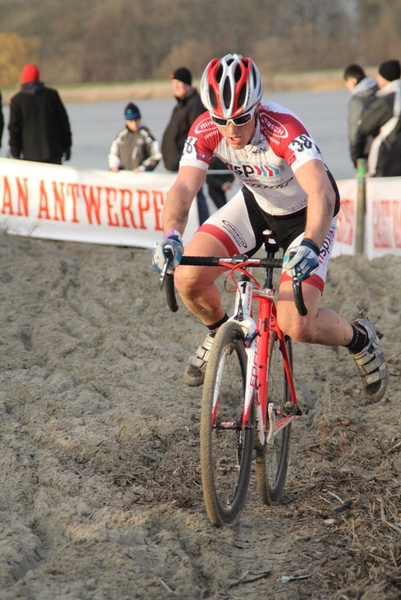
(363,90)
(189,106)
(39,126)
(286,188)
(383,120)
(134,148)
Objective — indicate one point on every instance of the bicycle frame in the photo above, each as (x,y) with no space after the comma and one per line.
(257,336)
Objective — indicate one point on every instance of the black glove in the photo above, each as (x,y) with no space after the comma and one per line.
(67,154)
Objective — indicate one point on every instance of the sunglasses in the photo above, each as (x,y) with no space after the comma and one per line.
(238,121)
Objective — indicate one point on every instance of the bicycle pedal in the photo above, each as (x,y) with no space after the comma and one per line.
(289,409)
(380,335)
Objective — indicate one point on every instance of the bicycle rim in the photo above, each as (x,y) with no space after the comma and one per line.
(226,448)
(272,459)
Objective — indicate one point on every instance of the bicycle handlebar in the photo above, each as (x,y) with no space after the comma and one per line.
(214,261)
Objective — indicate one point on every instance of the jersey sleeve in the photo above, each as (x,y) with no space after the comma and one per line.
(301,150)
(202,139)
(288,136)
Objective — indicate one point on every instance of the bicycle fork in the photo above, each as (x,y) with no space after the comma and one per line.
(243,315)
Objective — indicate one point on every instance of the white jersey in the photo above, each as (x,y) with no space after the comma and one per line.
(266,165)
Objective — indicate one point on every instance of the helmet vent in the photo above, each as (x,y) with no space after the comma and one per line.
(238,73)
(242,95)
(254,77)
(227,93)
(219,73)
(212,96)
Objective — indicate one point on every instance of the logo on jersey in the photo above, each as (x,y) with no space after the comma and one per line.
(234,233)
(271,127)
(328,242)
(205,125)
(261,170)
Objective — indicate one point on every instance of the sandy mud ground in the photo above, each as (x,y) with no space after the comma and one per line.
(100,494)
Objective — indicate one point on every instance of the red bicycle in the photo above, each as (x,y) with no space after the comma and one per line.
(249,399)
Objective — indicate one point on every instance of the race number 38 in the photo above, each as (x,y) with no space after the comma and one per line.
(301,143)
(189,148)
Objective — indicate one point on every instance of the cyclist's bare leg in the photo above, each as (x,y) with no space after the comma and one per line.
(324,326)
(319,326)
(196,285)
(198,291)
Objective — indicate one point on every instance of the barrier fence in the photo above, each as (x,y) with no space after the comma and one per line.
(87,205)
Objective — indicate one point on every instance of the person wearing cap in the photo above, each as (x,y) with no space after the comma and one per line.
(39,127)
(134,148)
(362,89)
(188,108)
(383,120)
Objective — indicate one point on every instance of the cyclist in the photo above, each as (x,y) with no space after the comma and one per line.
(286,188)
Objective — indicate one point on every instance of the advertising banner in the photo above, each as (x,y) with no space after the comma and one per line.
(64,203)
(344,242)
(383,216)
(87,205)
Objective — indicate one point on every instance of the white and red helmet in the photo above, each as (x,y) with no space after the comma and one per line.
(231,86)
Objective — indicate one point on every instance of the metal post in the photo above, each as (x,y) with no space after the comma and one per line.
(360,206)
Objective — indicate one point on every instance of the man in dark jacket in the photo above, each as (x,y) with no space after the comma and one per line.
(383,120)
(218,184)
(363,90)
(39,126)
(188,108)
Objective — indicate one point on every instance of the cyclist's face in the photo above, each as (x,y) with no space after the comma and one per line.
(238,137)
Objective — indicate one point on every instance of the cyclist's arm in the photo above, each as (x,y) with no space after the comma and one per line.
(180,197)
(312,177)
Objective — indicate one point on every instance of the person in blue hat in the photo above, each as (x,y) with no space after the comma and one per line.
(135,148)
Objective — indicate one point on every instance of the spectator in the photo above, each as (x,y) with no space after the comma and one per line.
(134,148)
(218,185)
(363,91)
(383,120)
(39,126)
(189,106)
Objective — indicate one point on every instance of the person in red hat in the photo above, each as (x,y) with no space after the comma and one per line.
(39,128)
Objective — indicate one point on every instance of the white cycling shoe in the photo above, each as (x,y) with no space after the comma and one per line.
(195,371)
(371,363)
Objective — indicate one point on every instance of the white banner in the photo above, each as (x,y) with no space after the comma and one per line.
(64,203)
(383,216)
(344,242)
(125,209)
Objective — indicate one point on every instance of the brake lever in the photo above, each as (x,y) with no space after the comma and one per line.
(298,297)
(164,273)
(169,254)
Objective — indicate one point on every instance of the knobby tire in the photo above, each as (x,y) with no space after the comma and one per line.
(272,460)
(226,450)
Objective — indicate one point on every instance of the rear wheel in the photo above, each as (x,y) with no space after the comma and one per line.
(226,448)
(272,459)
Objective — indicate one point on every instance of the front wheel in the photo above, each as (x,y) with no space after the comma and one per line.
(225,446)
(272,459)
